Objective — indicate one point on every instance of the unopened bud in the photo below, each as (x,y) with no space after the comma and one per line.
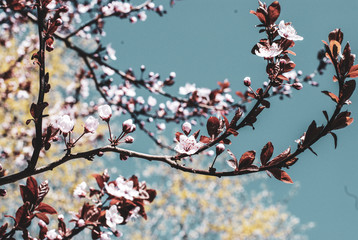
(186,127)
(129,139)
(220,149)
(128,126)
(142,68)
(172,75)
(297,85)
(58,22)
(81,223)
(247,81)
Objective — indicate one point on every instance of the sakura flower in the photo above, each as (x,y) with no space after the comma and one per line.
(65,124)
(142,16)
(122,188)
(105,236)
(186,127)
(81,223)
(53,235)
(111,52)
(152,101)
(268,51)
(187,145)
(287,31)
(91,124)
(133,19)
(113,218)
(188,88)
(105,112)
(128,126)
(129,139)
(108,71)
(80,190)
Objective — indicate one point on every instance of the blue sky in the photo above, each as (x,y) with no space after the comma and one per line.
(206,41)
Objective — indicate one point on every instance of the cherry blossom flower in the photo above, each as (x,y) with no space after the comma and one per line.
(133,19)
(129,139)
(111,52)
(113,218)
(152,101)
(105,112)
(268,51)
(142,16)
(91,124)
(108,71)
(105,236)
(187,145)
(220,148)
(128,126)
(65,124)
(287,31)
(53,235)
(80,190)
(186,127)
(122,188)
(81,223)
(247,81)
(172,75)
(188,88)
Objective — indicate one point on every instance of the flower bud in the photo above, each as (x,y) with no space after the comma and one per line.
(105,112)
(220,149)
(65,124)
(129,139)
(186,127)
(247,81)
(172,75)
(128,126)
(91,124)
(297,85)
(81,223)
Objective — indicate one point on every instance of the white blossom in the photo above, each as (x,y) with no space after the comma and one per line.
(187,145)
(105,112)
(287,31)
(65,124)
(111,52)
(113,218)
(91,124)
(268,51)
(80,190)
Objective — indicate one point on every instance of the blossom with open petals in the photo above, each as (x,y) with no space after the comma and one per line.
(113,218)
(80,190)
(187,145)
(268,51)
(287,31)
(122,188)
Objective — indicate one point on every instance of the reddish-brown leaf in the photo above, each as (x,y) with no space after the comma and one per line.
(347,90)
(196,134)
(233,132)
(334,138)
(43,217)
(290,162)
(177,136)
(213,125)
(281,175)
(326,115)
(3,229)
(266,153)
(342,120)
(265,103)
(31,183)
(260,15)
(247,159)
(281,157)
(336,34)
(353,72)
(45,208)
(332,96)
(226,121)
(204,139)
(26,194)
(99,180)
(33,110)
(274,11)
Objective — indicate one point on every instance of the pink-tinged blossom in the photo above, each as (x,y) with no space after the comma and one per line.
(133,19)
(80,190)
(111,52)
(220,148)
(122,188)
(161,126)
(186,127)
(113,218)
(65,124)
(142,16)
(128,126)
(53,235)
(247,81)
(81,223)
(91,124)
(187,145)
(287,31)
(152,101)
(129,139)
(105,112)
(188,88)
(105,235)
(108,71)
(172,75)
(268,51)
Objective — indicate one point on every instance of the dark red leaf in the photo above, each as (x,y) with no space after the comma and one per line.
(266,153)
(45,208)
(290,162)
(342,120)
(3,229)
(326,115)
(336,34)
(347,90)
(334,138)
(177,136)
(99,180)
(226,121)
(26,194)
(213,125)
(204,139)
(274,11)
(332,96)
(281,175)
(281,157)
(196,134)
(43,217)
(33,110)
(247,159)
(31,183)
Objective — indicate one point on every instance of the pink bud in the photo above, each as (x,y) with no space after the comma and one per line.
(297,85)
(186,127)
(129,139)
(247,81)
(220,148)
(91,124)
(128,126)
(105,112)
